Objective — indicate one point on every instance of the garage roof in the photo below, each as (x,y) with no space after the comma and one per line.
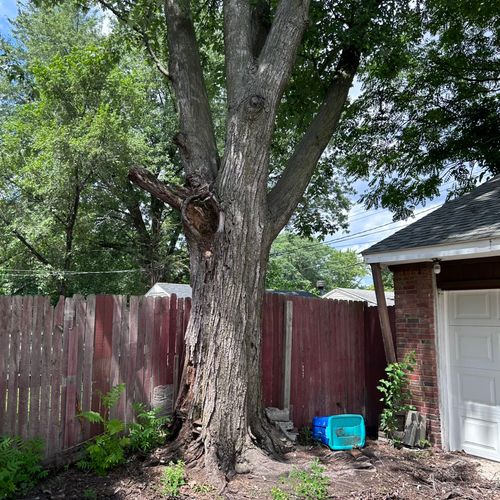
(455,226)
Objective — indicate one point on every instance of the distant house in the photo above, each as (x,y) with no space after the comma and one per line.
(358,294)
(167,289)
(185,291)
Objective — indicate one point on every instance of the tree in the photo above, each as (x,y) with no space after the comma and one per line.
(74,120)
(297,263)
(229,214)
(429,113)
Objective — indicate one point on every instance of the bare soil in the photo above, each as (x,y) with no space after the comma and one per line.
(378,471)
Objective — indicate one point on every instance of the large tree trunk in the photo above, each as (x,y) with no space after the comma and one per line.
(230,218)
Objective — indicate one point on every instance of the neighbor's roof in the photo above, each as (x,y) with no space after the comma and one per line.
(452,230)
(167,289)
(359,295)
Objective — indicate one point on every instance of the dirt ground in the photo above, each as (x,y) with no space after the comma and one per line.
(378,471)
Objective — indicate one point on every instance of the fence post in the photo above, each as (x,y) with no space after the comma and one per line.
(287,354)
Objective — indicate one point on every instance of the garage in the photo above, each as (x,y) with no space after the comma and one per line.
(446,270)
(472,360)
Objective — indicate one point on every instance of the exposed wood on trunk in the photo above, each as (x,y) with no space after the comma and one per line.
(390,352)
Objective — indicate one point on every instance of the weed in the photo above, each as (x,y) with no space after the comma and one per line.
(20,465)
(173,478)
(423,443)
(306,484)
(396,393)
(279,494)
(108,449)
(147,432)
(90,494)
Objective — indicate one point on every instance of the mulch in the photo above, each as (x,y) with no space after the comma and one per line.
(377,472)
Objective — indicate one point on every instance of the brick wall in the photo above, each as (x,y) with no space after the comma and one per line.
(415,331)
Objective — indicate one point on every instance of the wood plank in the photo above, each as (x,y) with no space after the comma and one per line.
(139,393)
(24,365)
(124,360)
(102,354)
(54,444)
(5,304)
(36,367)
(114,373)
(148,342)
(287,353)
(14,360)
(390,351)
(133,324)
(88,358)
(79,327)
(156,345)
(166,366)
(68,395)
(45,379)
(172,334)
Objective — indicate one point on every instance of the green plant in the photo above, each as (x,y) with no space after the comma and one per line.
(173,478)
(20,464)
(311,484)
(147,432)
(396,393)
(423,443)
(279,494)
(108,449)
(90,494)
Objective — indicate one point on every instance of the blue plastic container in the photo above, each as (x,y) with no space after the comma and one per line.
(340,432)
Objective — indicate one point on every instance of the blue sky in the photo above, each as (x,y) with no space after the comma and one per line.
(8,9)
(361,220)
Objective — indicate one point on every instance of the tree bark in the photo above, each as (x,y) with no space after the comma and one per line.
(230,220)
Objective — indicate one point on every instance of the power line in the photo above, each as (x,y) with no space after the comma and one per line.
(373,230)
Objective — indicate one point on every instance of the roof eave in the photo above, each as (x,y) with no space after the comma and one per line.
(461,250)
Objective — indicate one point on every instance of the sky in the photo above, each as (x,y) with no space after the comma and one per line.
(368,223)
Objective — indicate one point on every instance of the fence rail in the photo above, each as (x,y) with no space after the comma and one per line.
(55,360)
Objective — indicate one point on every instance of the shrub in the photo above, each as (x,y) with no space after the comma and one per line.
(20,465)
(396,393)
(173,478)
(147,432)
(108,449)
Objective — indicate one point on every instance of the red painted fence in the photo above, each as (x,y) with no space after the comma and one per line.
(54,361)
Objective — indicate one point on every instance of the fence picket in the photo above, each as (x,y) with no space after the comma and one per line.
(133,326)
(5,303)
(88,358)
(55,360)
(45,382)
(35,367)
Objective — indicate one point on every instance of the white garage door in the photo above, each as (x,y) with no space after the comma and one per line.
(473,328)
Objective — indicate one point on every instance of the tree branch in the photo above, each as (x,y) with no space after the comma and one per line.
(286,194)
(197,144)
(143,178)
(279,51)
(27,244)
(237,45)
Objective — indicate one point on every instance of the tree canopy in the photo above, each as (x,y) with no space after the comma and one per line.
(429,113)
(79,108)
(297,263)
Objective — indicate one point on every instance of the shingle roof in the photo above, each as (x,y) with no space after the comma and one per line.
(358,294)
(473,216)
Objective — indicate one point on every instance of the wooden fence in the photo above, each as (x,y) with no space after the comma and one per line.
(55,360)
